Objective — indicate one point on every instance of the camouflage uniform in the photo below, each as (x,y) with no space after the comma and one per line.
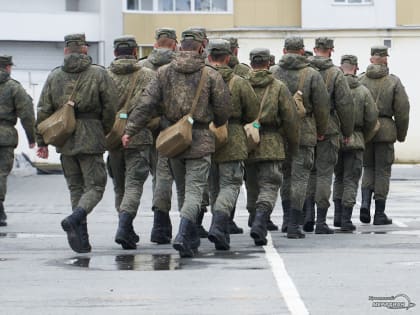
(291,69)
(393,105)
(341,123)
(241,69)
(263,167)
(173,91)
(14,103)
(82,153)
(348,169)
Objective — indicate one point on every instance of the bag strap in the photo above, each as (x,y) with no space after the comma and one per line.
(70,99)
(130,91)
(328,78)
(302,78)
(262,103)
(198,92)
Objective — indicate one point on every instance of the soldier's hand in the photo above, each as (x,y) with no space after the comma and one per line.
(31,145)
(125,139)
(42,152)
(320,138)
(346,140)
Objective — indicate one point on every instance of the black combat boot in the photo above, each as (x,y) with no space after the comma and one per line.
(219,231)
(233,228)
(293,229)
(73,225)
(162,228)
(3,216)
(259,227)
(346,224)
(185,241)
(338,209)
(85,236)
(365,207)
(286,213)
(309,211)
(124,235)
(201,230)
(380,217)
(251,218)
(270,224)
(321,226)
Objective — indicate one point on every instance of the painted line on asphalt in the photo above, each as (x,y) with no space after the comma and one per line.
(284,282)
(399,223)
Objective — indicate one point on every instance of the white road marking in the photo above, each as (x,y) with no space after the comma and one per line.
(284,282)
(399,223)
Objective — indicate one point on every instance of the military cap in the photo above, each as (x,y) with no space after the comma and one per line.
(75,39)
(127,41)
(6,60)
(199,29)
(293,43)
(324,43)
(351,59)
(219,46)
(165,32)
(381,51)
(193,34)
(233,41)
(262,53)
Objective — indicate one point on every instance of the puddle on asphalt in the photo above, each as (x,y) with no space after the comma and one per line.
(27,235)
(409,232)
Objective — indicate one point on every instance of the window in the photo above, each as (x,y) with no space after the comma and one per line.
(353,1)
(180,5)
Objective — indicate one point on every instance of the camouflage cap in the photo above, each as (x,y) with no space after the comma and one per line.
(219,46)
(127,41)
(324,43)
(165,32)
(233,41)
(6,60)
(381,51)
(294,43)
(199,29)
(75,39)
(262,53)
(351,59)
(193,34)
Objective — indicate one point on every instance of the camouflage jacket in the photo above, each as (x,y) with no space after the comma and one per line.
(173,90)
(245,109)
(316,99)
(278,113)
(14,103)
(157,58)
(392,102)
(365,114)
(123,71)
(240,69)
(95,103)
(342,107)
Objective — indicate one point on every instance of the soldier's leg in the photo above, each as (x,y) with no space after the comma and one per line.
(178,171)
(203,209)
(338,187)
(214,187)
(309,204)
(116,170)
(285,191)
(327,153)
(6,165)
(153,160)
(384,158)
(368,181)
(252,189)
(74,178)
(137,170)
(269,178)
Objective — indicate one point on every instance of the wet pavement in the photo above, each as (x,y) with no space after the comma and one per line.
(326,274)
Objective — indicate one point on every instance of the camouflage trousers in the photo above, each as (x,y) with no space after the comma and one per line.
(162,192)
(6,165)
(224,185)
(377,162)
(263,181)
(129,169)
(86,177)
(296,172)
(319,186)
(153,160)
(348,171)
(191,176)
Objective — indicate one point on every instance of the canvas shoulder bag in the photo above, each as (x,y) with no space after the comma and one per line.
(57,128)
(113,138)
(252,130)
(375,130)
(175,139)
(298,96)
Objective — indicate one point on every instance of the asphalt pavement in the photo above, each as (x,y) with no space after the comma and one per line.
(375,270)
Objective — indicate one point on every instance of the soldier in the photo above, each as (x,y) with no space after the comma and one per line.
(341,123)
(393,105)
(227,168)
(173,90)
(95,97)
(272,60)
(241,69)
(129,167)
(263,167)
(162,54)
(294,70)
(15,103)
(348,169)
